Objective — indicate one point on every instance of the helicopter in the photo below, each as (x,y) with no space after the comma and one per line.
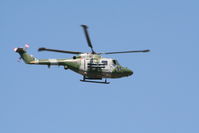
(92,66)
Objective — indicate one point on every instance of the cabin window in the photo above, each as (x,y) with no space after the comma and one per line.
(104,62)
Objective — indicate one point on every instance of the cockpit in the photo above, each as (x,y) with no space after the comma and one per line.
(115,62)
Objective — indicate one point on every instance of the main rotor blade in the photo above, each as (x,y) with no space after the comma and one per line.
(85,27)
(122,52)
(60,51)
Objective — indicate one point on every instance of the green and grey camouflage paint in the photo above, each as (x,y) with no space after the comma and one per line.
(87,64)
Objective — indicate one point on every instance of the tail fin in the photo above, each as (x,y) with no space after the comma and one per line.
(24,55)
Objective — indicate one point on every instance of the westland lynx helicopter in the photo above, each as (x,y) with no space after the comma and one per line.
(92,66)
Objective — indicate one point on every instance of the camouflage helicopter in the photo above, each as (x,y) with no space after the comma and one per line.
(92,66)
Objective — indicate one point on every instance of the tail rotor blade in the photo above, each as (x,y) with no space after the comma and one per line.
(19,59)
(26,46)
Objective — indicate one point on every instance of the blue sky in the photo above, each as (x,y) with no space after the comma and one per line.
(161,96)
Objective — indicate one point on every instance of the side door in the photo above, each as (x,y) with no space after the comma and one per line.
(105,66)
(83,66)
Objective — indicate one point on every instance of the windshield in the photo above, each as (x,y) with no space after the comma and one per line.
(115,62)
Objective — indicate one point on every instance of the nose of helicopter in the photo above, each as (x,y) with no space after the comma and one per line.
(128,72)
(121,72)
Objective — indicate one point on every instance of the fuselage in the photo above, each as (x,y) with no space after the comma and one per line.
(94,66)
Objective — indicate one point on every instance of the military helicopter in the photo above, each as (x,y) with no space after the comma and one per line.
(92,66)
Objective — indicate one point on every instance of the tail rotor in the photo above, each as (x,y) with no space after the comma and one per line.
(18,50)
(26,46)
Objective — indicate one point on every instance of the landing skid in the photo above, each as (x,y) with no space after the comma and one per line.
(91,81)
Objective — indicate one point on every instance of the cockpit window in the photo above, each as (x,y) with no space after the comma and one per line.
(104,62)
(115,62)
